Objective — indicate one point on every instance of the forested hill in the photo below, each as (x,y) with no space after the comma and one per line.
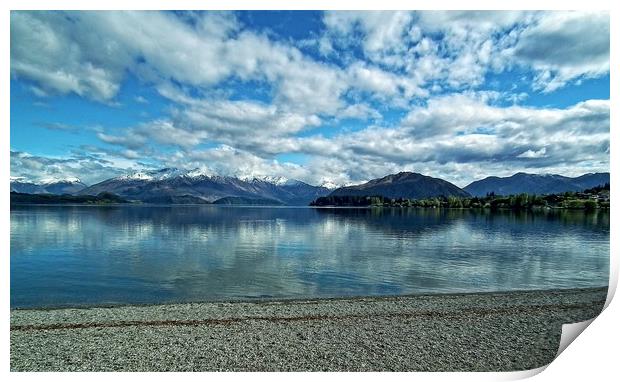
(408,185)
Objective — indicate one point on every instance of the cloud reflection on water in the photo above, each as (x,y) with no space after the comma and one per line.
(86,255)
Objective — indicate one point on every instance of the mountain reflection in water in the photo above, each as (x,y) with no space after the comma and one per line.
(84,255)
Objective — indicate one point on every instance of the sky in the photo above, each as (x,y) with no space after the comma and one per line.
(336,97)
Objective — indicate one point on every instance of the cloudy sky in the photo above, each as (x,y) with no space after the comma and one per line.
(317,96)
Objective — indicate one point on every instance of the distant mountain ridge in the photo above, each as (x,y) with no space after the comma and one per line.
(58,187)
(535,184)
(168,185)
(175,186)
(409,185)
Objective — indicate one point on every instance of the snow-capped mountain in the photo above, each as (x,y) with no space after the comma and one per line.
(154,175)
(55,180)
(179,186)
(170,185)
(277,180)
(58,186)
(330,185)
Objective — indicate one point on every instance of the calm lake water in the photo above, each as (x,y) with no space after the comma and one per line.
(88,255)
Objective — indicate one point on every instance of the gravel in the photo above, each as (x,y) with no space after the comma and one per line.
(457,332)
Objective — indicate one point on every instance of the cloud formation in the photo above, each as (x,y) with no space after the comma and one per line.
(365,94)
(88,168)
(556,48)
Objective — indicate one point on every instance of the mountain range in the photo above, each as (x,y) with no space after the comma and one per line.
(535,184)
(177,186)
(172,185)
(58,187)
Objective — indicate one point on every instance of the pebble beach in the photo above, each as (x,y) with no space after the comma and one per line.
(505,331)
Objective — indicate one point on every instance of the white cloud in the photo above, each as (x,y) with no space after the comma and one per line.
(130,140)
(88,53)
(43,50)
(245,124)
(383,30)
(563,46)
(465,45)
(457,131)
(465,131)
(480,21)
(533,154)
(89,169)
(359,111)
(382,84)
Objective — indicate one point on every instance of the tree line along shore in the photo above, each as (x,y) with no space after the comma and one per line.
(590,199)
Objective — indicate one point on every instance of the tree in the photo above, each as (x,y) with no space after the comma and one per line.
(590,205)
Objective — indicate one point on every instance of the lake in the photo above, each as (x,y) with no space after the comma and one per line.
(100,255)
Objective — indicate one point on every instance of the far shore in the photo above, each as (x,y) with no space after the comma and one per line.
(498,331)
(442,208)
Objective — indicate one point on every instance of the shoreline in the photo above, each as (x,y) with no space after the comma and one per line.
(267,300)
(483,331)
(145,204)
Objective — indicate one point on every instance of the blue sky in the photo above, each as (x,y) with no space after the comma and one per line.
(338,97)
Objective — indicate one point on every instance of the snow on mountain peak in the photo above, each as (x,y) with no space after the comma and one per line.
(151,175)
(199,172)
(166,173)
(205,172)
(329,185)
(68,179)
(136,175)
(277,180)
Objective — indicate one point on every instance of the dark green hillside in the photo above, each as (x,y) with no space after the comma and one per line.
(408,185)
(102,198)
